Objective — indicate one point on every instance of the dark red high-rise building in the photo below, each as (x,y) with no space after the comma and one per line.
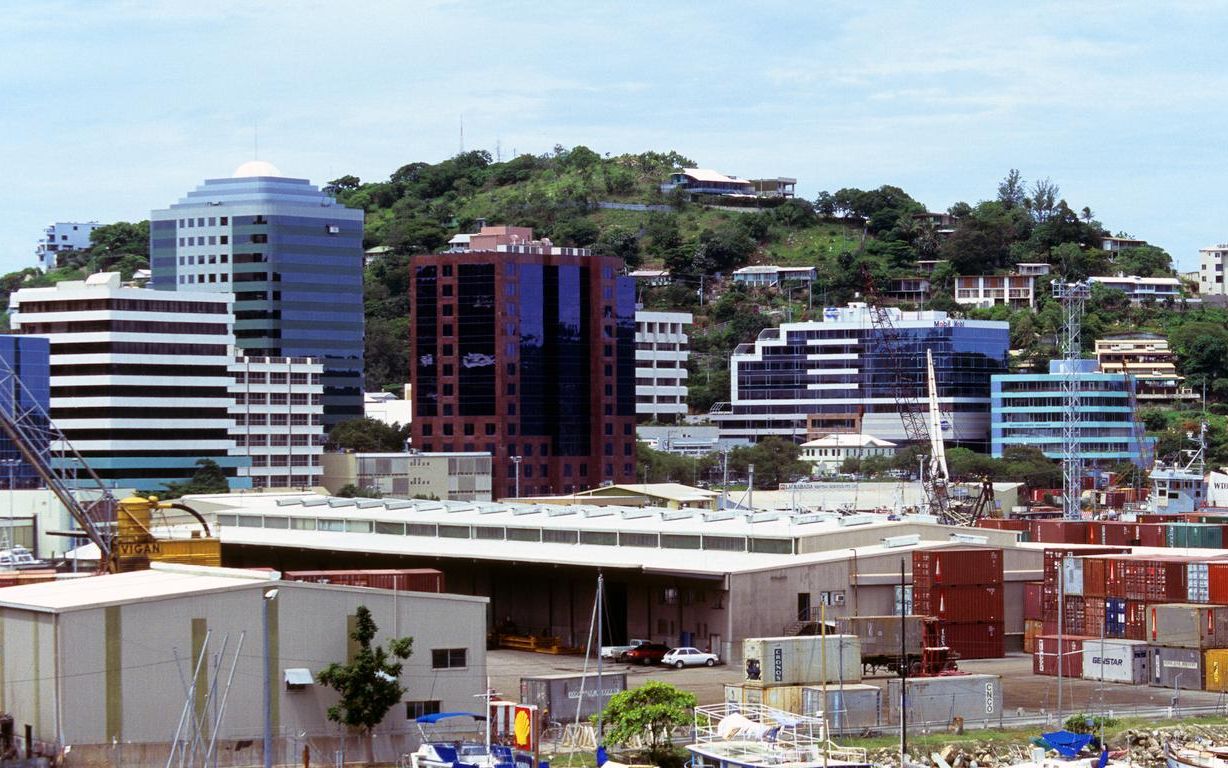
(527,351)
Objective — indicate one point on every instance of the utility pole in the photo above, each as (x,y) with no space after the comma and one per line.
(516,468)
(1072,296)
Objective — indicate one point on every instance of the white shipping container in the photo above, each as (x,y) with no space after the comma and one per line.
(1197,589)
(936,700)
(1072,573)
(1115,661)
(801,660)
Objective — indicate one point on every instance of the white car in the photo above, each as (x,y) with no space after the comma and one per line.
(689,657)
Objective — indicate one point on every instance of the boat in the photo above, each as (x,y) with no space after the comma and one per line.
(733,735)
(441,747)
(18,558)
(1196,756)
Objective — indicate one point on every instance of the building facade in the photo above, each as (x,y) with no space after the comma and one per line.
(827,454)
(278,409)
(388,408)
(526,352)
(139,378)
(292,258)
(25,369)
(1030,409)
(61,238)
(1211,270)
(771,276)
(1015,291)
(683,439)
(1148,359)
(838,371)
(444,476)
(661,354)
(1141,289)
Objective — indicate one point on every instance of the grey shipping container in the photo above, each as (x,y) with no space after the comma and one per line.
(936,700)
(1179,668)
(560,696)
(1197,587)
(880,635)
(1072,575)
(1115,661)
(801,660)
(1182,625)
(849,708)
(787,698)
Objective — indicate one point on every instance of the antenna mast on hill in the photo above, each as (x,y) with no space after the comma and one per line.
(1072,296)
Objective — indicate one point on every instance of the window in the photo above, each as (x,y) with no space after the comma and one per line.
(449,658)
(416,709)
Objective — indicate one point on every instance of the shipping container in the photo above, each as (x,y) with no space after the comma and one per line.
(560,696)
(1216,665)
(848,708)
(1115,617)
(1032,600)
(1185,625)
(1093,576)
(801,660)
(1217,582)
(880,635)
(1074,619)
(1199,535)
(1107,533)
(1061,531)
(1072,572)
(1196,586)
(961,603)
(1152,534)
(1094,616)
(1003,524)
(1032,628)
(1115,661)
(979,640)
(977,699)
(1050,649)
(403,580)
(1176,668)
(787,698)
(956,567)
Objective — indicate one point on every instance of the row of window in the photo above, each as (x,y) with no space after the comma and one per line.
(274,377)
(200,222)
(275,419)
(199,279)
(276,398)
(279,440)
(281,460)
(721,543)
(202,240)
(285,481)
(128,326)
(220,307)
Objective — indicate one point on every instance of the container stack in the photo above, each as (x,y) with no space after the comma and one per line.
(779,669)
(963,589)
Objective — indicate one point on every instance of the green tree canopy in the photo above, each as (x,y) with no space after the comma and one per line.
(367,435)
(208,478)
(648,712)
(369,685)
(775,458)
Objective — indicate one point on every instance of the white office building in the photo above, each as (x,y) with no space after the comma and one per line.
(661,353)
(278,408)
(139,379)
(1142,289)
(63,237)
(1211,270)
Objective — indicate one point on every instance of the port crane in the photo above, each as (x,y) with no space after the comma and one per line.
(128,533)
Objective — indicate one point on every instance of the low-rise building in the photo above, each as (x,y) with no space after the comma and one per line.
(683,439)
(771,276)
(651,277)
(95,663)
(704,181)
(454,476)
(61,238)
(1030,409)
(1117,244)
(1033,268)
(1147,359)
(1015,291)
(278,410)
(1140,289)
(388,408)
(661,354)
(913,290)
(828,453)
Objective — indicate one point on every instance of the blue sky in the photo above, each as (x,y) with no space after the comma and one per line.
(111,109)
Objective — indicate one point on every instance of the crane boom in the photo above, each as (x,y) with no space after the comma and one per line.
(940,476)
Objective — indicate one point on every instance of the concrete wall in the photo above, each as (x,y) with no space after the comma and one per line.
(121,668)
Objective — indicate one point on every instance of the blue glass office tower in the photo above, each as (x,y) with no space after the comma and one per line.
(291,255)
(1030,409)
(29,358)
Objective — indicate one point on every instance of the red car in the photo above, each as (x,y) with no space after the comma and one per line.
(646,653)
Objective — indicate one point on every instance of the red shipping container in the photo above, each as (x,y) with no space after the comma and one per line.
(1093,576)
(403,580)
(974,640)
(1003,524)
(1061,531)
(1093,616)
(1151,534)
(1136,620)
(1075,617)
(1217,582)
(1032,600)
(961,603)
(1050,649)
(951,567)
(1111,533)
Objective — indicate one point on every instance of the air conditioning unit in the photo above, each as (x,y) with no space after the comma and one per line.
(910,540)
(967,538)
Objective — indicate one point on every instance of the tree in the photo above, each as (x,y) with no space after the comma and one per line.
(1043,200)
(776,461)
(367,435)
(369,685)
(208,478)
(655,466)
(1144,261)
(649,712)
(351,491)
(1011,190)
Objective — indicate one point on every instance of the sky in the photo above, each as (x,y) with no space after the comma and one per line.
(109,109)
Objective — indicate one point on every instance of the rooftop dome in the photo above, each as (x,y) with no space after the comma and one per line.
(253,168)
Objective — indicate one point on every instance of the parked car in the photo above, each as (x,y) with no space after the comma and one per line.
(646,653)
(618,652)
(689,657)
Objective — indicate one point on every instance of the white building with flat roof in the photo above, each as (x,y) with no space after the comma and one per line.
(661,354)
(1140,289)
(140,383)
(278,409)
(60,238)
(828,453)
(1211,270)
(1015,291)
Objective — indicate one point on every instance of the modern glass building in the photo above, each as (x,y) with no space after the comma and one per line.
(526,352)
(25,369)
(1030,409)
(291,255)
(836,375)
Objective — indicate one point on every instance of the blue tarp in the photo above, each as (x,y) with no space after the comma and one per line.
(435,718)
(1066,743)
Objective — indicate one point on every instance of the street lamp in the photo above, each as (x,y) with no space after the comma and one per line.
(516,469)
(269,596)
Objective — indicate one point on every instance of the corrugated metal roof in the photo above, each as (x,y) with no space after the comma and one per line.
(157,582)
